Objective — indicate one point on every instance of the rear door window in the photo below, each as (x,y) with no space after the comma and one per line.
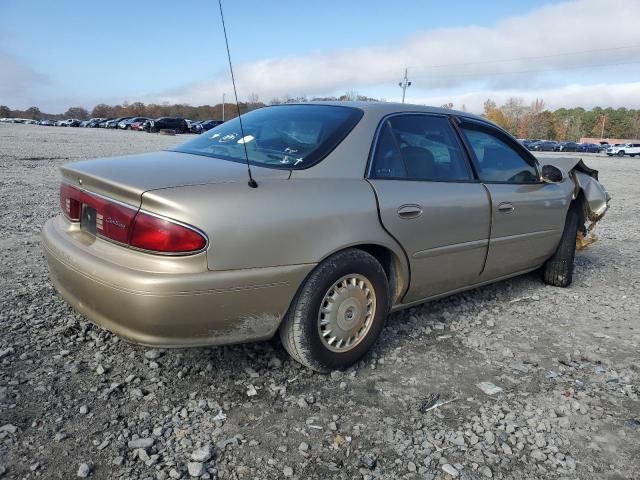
(419,147)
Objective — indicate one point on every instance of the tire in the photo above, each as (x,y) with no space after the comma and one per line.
(300,331)
(558,270)
(621,153)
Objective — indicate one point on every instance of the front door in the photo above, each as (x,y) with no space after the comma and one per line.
(430,203)
(528,215)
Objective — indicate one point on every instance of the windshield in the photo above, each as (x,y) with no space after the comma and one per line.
(282,136)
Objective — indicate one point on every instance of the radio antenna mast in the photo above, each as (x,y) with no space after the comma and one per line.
(252,183)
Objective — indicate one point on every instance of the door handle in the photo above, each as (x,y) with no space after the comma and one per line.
(409,211)
(505,207)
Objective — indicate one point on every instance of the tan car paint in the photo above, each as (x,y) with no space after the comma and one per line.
(525,236)
(450,236)
(263,242)
(168,301)
(126,178)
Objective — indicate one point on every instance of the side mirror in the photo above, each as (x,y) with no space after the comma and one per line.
(551,174)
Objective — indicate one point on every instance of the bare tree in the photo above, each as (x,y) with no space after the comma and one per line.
(34,113)
(253,101)
(513,111)
(78,113)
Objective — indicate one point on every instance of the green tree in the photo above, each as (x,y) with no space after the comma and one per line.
(5,112)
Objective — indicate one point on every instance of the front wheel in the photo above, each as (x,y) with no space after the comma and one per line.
(338,313)
(558,270)
(621,153)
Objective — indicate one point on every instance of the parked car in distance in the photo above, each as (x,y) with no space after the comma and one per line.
(175,249)
(46,123)
(138,125)
(71,122)
(526,141)
(103,123)
(92,122)
(631,149)
(194,126)
(179,125)
(114,122)
(205,125)
(543,146)
(566,147)
(126,123)
(589,148)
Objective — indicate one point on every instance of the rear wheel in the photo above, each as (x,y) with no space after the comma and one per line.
(621,153)
(558,270)
(338,313)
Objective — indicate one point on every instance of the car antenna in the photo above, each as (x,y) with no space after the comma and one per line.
(252,183)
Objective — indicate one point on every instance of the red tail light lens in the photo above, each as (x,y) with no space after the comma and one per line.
(160,235)
(70,202)
(128,225)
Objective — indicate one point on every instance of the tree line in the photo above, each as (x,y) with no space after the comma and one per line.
(521,120)
(536,121)
(138,109)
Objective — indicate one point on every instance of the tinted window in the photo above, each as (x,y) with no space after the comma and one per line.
(497,160)
(282,136)
(419,147)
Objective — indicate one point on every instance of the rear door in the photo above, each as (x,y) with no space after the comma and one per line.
(430,202)
(528,215)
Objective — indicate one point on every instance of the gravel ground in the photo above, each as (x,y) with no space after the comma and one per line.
(77,401)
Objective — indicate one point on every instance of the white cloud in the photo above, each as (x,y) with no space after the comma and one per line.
(16,79)
(572,26)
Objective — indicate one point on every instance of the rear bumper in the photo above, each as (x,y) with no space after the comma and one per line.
(166,302)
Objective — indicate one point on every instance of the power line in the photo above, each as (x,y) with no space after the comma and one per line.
(596,50)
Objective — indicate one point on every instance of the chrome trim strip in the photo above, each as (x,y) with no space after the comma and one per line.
(455,248)
(523,236)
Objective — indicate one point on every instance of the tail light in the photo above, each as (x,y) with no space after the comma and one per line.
(130,226)
(160,235)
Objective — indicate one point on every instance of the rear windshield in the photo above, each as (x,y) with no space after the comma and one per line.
(282,136)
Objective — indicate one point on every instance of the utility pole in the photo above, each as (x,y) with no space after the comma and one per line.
(223,106)
(604,119)
(404,84)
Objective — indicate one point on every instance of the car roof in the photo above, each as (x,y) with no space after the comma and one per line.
(386,108)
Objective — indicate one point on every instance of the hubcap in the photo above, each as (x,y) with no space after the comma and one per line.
(346,313)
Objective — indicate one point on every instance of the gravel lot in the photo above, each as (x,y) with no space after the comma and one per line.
(76,400)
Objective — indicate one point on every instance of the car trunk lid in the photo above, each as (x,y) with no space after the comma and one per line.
(126,178)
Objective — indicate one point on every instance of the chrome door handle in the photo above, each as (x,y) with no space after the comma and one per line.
(409,211)
(505,207)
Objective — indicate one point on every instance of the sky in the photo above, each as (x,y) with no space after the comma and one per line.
(63,53)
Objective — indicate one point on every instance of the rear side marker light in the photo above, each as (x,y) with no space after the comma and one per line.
(130,226)
(70,202)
